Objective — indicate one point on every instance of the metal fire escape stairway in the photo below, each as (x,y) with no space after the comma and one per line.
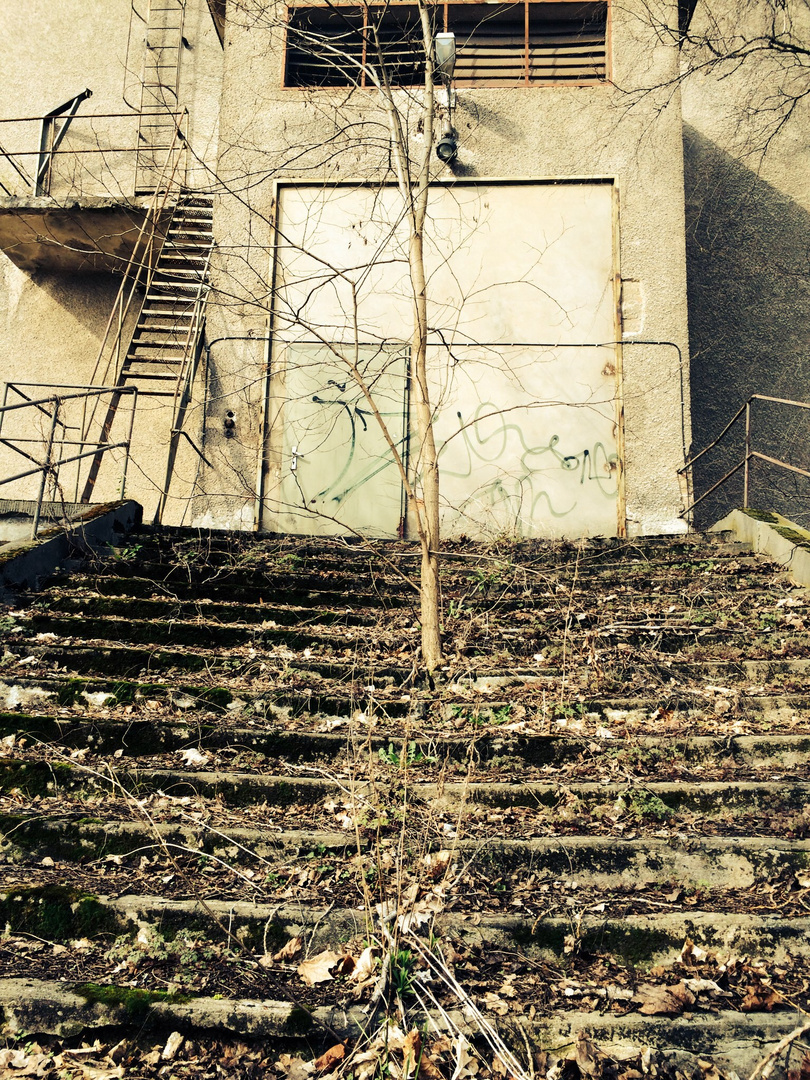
(162,356)
(165,343)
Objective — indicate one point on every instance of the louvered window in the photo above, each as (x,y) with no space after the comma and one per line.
(496,44)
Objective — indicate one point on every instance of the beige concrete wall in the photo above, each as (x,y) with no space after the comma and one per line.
(748,213)
(269,133)
(52,324)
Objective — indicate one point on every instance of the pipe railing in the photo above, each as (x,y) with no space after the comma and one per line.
(51,407)
(34,166)
(748,454)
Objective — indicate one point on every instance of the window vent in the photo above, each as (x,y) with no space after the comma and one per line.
(496,44)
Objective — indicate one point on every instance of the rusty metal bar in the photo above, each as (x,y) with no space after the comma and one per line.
(714,442)
(746,475)
(50,138)
(66,461)
(782,464)
(780,401)
(91,392)
(748,454)
(47,468)
(714,487)
(96,116)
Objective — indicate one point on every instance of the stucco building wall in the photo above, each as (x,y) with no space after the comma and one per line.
(748,235)
(270,134)
(52,321)
(248,134)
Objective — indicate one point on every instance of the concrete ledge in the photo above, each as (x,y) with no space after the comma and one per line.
(25,565)
(774,536)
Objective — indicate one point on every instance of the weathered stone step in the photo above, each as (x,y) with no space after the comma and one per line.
(208,544)
(647,801)
(182,632)
(521,641)
(273,703)
(232,594)
(731,1040)
(169,609)
(151,734)
(634,939)
(131,661)
(226,592)
(345,575)
(603,860)
(82,838)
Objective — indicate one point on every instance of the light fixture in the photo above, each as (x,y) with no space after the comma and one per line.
(447,146)
(444,48)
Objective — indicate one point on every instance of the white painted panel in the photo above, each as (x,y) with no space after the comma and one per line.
(339,470)
(521,311)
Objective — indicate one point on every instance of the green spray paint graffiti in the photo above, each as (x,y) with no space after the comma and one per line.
(525,468)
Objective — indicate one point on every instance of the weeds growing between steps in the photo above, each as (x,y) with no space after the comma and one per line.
(544,830)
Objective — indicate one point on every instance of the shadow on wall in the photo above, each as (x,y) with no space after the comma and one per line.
(748,267)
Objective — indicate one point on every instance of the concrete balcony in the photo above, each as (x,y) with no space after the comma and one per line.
(86,194)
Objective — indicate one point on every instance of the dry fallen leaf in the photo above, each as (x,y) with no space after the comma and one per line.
(588,1056)
(329,1060)
(295,1068)
(192,756)
(411,1052)
(496,1004)
(664,1000)
(366,965)
(759,996)
(288,951)
(318,968)
(466,1062)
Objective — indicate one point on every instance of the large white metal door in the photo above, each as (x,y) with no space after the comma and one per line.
(523,361)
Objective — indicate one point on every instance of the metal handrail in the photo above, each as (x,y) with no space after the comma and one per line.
(748,455)
(50,140)
(50,467)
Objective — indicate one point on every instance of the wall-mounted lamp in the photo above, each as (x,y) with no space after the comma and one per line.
(444,48)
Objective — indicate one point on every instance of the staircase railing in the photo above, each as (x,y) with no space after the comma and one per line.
(103,160)
(51,407)
(749,454)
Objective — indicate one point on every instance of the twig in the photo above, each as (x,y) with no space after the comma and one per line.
(766,1066)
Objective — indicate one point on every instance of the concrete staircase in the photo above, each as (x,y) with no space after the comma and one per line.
(221,760)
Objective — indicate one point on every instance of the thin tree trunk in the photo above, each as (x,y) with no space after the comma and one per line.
(430,600)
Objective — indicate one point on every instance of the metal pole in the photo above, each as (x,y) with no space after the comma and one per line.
(46,468)
(747,452)
(129,441)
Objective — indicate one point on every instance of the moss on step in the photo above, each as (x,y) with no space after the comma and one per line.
(218,696)
(34,777)
(797,536)
(55,912)
(61,840)
(632,946)
(69,693)
(299,1021)
(135,1003)
(760,515)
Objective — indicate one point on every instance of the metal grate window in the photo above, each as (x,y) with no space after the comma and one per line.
(496,44)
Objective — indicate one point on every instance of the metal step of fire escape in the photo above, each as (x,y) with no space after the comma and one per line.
(167,333)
